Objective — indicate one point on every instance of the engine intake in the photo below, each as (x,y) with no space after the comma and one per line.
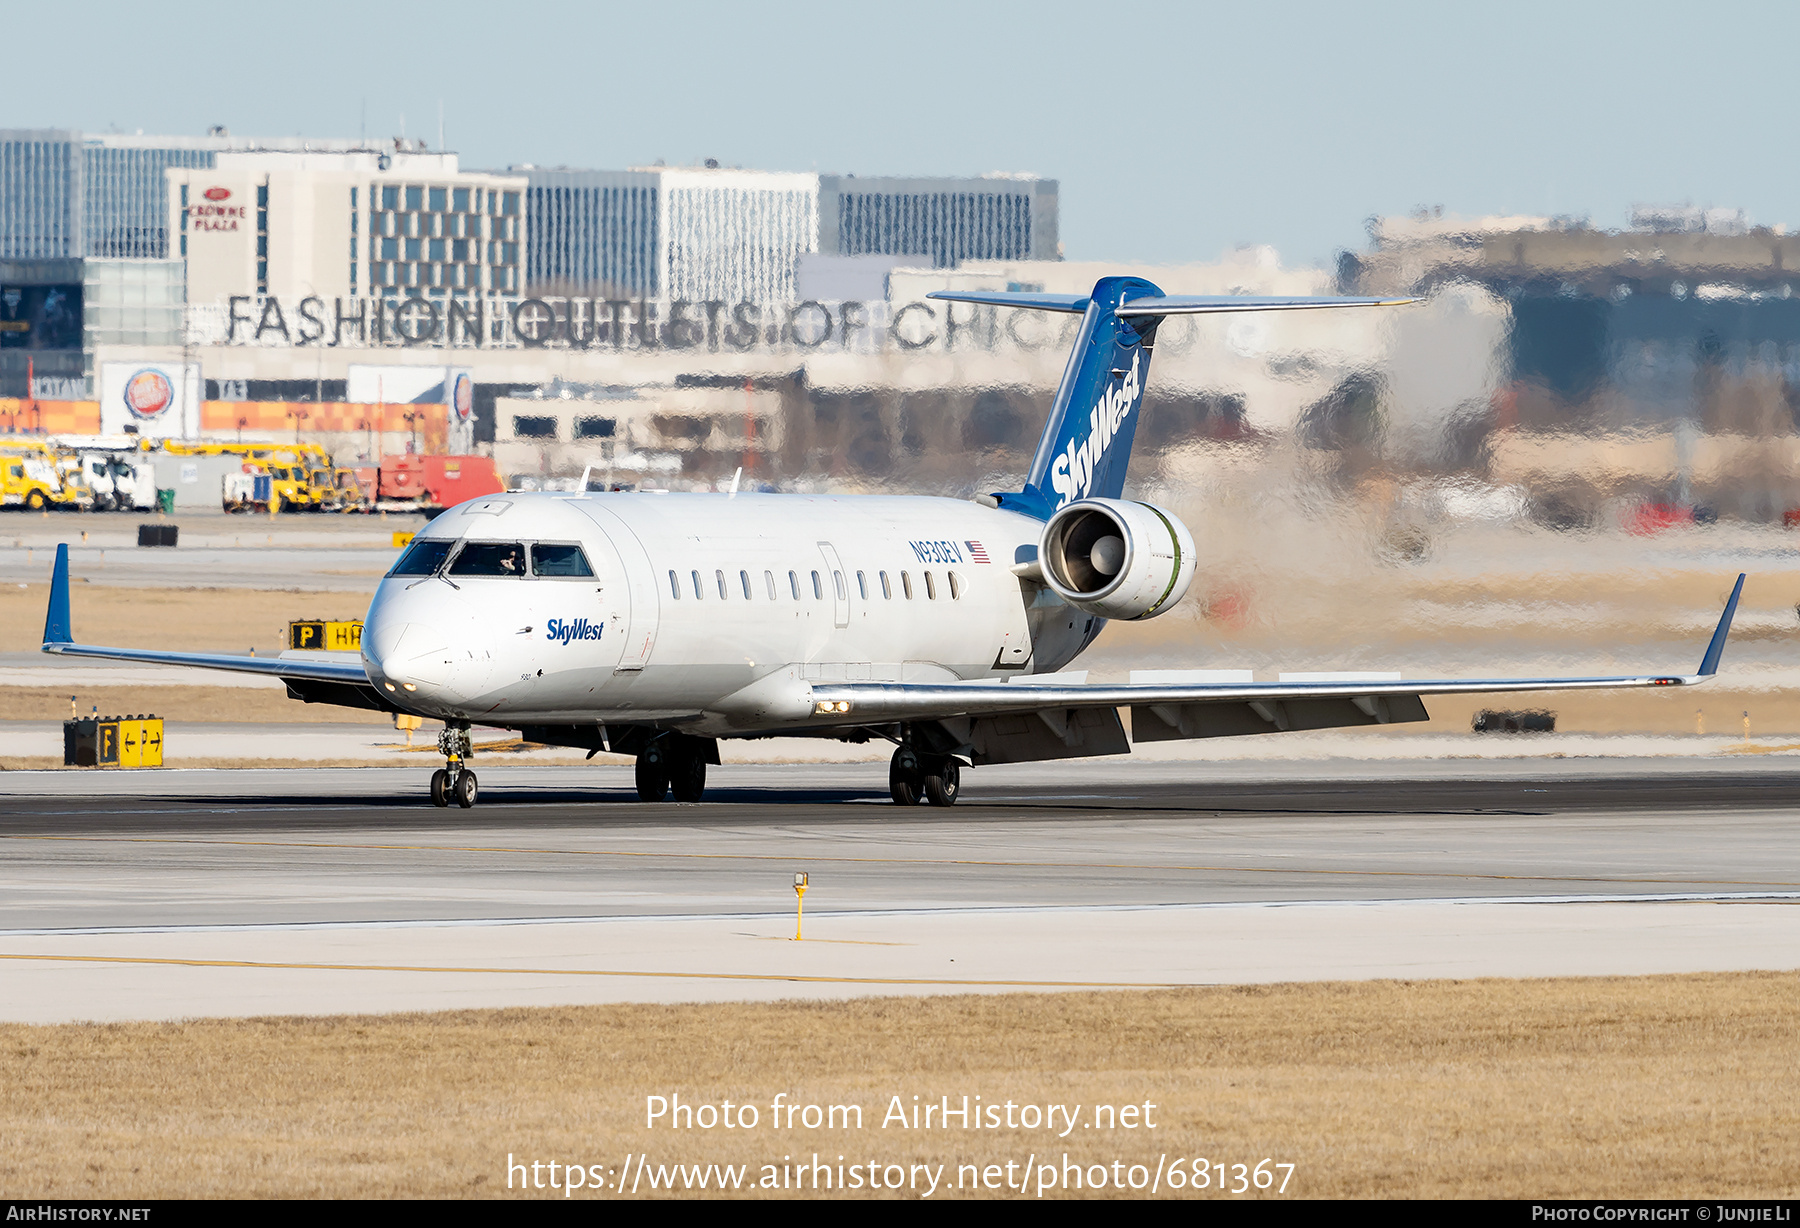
(1117,559)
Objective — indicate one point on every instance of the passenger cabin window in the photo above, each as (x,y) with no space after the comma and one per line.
(794,583)
(422,558)
(862,585)
(906,584)
(887,589)
(490,559)
(674,586)
(698,593)
(769,577)
(744,578)
(930,587)
(818,588)
(559,562)
(719,575)
(837,583)
(955,587)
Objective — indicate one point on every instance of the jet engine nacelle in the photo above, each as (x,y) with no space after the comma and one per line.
(1117,559)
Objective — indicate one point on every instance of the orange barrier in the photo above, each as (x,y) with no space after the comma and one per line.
(224,417)
(22,416)
(19,415)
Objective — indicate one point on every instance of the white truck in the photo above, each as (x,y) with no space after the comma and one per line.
(120,482)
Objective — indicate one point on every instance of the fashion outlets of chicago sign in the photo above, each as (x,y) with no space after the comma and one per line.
(632,324)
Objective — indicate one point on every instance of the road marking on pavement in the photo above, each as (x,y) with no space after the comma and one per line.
(608,972)
(809,859)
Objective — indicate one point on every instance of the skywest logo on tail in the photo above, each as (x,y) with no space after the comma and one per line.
(1072,473)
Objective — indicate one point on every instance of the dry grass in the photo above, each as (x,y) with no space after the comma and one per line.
(176,619)
(1649,1087)
(212,705)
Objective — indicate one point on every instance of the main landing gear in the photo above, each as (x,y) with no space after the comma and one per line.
(672,763)
(454,781)
(914,777)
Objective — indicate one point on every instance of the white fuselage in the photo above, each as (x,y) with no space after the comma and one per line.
(714,611)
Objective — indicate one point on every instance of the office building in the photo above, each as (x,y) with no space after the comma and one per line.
(701,234)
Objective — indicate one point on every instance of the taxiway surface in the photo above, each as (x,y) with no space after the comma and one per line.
(206,893)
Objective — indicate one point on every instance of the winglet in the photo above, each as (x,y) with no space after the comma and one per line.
(56,618)
(1709,664)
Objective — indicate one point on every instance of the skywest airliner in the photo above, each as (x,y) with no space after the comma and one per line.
(654,625)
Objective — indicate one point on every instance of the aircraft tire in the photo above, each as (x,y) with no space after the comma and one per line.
(905,783)
(440,788)
(464,789)
(943,782)
(652,778)
(689,779)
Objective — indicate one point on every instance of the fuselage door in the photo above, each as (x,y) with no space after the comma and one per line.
(638,633)
(838,584)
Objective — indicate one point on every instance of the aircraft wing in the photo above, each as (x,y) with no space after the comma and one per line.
(1193,710)
(59,639)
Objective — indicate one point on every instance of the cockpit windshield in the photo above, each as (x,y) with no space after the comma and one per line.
(424,557)
(489,559)
(555,560)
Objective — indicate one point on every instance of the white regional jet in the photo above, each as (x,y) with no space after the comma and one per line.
(654,625)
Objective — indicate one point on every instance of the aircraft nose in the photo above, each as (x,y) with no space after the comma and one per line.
(407,654)
(420,659)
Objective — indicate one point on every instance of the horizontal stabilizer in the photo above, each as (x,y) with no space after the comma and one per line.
(1206,304)
(1076,303)
(1162,304)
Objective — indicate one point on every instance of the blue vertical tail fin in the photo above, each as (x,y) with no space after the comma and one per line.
(1086,444)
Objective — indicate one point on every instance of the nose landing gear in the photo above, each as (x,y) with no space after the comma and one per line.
(454,781)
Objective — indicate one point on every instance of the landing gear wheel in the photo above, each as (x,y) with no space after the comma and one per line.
(464,789)
(943,781)
(652,776)
(440,788)
(688,778)
(906,783)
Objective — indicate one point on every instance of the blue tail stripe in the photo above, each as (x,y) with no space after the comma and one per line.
(56,618)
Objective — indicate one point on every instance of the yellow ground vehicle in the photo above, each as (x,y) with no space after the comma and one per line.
(31,477)
(301,475)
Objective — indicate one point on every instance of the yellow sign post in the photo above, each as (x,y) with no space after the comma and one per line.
(113,742)
(799,901)
(323,635)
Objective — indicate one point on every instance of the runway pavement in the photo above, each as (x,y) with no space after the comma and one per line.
(222,893)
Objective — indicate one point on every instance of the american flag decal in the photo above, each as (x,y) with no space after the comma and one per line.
(977,553)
